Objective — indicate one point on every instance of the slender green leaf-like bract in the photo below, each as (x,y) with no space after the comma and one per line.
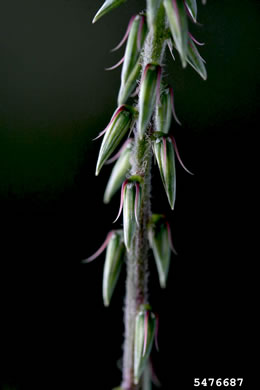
(107,7)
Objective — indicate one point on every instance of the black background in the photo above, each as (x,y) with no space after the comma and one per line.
(54,99)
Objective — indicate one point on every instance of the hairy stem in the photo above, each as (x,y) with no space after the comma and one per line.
(137,262)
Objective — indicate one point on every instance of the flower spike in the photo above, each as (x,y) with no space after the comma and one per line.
(126,34)
(100,250)
(116,65)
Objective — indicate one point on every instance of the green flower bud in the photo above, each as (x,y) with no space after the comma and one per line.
(164,153)
(107,7)
(149,93)
(152,10)
(135,41)
(115,131)
(145,324)
(130,211)
(118,174)
(175,11)
(115,254)
(129,86)
(159,236)
(195,59)
(191,6)
(163,112)
(164,149)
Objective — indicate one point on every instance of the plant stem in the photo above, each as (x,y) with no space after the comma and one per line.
(137,262)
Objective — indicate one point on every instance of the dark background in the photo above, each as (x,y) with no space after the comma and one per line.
(54,99)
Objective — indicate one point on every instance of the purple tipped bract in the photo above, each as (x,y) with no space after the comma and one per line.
(100,250)
(126,34)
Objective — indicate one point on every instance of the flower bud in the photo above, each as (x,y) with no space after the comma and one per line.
(135,41)
(115,254)
(195,60)
(175,11)
(159,236)
(107,7)
(191,6)
(149,91)
(145,324)
(118,174)
(130,211)
(115,131)
(127,88)
(152,10)
(164,153)
(163,112)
